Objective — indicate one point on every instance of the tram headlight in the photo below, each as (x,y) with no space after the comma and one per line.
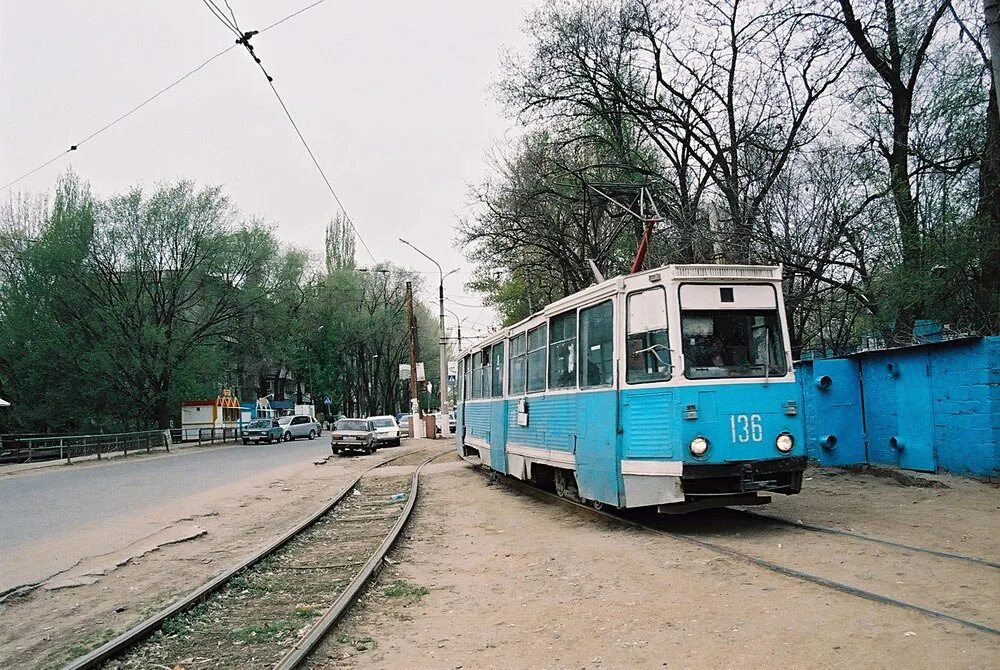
(698,446)
(784,443)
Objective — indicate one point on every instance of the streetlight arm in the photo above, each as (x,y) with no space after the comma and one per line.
(440,271)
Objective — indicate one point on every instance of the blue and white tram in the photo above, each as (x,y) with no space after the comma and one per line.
(671,387)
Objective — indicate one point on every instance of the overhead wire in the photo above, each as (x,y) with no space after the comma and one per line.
(218,13)
(77,145)
(244,39)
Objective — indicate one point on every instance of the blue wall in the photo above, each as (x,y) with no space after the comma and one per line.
(926,407)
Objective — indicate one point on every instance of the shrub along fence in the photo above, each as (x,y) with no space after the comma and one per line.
(26,449)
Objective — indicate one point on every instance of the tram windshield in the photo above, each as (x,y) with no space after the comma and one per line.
(731,343)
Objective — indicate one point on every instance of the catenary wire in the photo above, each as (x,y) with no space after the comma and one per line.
(76,145)
(245,41)
(218,13)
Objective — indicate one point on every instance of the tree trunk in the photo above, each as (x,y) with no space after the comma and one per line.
(989,205)
(991,11)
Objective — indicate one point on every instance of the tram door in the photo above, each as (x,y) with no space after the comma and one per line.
(498,411)
(596,428)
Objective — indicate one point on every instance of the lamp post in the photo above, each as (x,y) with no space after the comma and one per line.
(459,322)
(443,344)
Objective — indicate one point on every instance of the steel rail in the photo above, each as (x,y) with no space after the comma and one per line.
(301,650)
(748,558)
(144,629)
(868,538)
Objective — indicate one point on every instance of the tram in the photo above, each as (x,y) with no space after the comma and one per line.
(670,388)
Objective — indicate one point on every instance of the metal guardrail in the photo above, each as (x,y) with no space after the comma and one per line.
(204,435)
(17,449)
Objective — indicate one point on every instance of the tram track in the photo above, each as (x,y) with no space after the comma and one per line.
(272,608)
(861,536)
(949,605)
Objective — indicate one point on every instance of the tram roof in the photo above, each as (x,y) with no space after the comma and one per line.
(692,272)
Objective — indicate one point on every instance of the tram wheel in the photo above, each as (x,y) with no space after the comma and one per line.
(597,505)
(561,486)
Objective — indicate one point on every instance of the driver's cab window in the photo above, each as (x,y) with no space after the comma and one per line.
(647,342)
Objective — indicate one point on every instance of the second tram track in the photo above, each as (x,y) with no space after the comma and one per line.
(722,548)
(271,609)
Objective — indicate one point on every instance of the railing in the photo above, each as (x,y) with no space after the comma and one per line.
(21,449)
(204,435)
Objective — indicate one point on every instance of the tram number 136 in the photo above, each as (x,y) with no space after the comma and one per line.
(746,428)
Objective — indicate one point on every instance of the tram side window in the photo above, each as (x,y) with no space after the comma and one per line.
(647,343)
(536,359)
(477,374)
(487,377)
(496,369)
(518,359)
(469,373)
(596,345)
(466,377)
(562,351)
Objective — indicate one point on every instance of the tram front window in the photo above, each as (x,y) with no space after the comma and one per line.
(732,344)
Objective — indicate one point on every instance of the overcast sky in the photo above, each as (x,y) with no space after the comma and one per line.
(395,99)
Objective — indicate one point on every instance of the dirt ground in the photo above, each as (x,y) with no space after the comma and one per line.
(514,582)
(196,539)
(487,577)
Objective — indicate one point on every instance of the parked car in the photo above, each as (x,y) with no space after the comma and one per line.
(299,425)
(263,430)
(353,435)
(403,421)
(386,430)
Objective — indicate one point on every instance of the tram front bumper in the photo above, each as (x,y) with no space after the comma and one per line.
(781,475)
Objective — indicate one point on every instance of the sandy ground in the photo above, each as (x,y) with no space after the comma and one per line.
(189,541)
(487,577)
(514,582)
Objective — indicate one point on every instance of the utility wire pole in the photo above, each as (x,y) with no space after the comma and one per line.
(442,341)
(416,424)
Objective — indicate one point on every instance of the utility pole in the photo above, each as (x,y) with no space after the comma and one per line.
(416,424)
(443,355)
(458,321)
(443,342)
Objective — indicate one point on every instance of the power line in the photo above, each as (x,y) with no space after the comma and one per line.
(245,41)
(74,147)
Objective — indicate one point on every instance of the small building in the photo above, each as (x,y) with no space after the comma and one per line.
(222,412)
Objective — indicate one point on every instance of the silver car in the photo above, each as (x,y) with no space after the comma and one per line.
(263,430)
(353,435)
(299,425)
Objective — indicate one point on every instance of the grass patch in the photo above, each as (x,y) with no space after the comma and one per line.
(182,624)
(306,612)
(266,633)
(246,582)
(403,589)
(85,646)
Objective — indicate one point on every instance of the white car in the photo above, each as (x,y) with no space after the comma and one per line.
(386,430)
(299,425)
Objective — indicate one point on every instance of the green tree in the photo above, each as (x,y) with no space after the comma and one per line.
(123,307)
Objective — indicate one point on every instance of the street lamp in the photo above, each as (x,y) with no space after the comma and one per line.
(459,322)
(443,382)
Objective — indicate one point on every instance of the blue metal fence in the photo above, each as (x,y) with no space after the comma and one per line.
(925,407)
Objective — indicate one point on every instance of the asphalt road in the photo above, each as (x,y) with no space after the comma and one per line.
(44,505)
